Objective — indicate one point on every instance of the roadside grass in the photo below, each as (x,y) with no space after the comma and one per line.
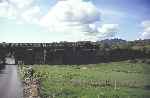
(105,80)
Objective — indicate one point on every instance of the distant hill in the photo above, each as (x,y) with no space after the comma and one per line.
(113,41)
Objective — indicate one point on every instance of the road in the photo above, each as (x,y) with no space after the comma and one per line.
(10,85)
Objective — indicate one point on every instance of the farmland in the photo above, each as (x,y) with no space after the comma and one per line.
(106,80)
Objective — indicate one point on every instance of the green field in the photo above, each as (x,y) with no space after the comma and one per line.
(105,80)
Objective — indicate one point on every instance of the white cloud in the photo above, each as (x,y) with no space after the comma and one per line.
(108,28)
(72,13)
(146,24)
(25,10)
(21,3)
(146,33)
(67,20)
(76,19)
(108,31)
(6,10)
(32,15)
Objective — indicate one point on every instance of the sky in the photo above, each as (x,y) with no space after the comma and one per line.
(44,21)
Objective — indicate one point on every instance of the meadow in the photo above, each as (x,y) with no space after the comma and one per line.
(104,80)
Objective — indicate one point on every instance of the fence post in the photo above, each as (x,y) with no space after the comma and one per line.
(115,85)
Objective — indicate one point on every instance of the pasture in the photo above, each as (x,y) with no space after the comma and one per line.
(105,80)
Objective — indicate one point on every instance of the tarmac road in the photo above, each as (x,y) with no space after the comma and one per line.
(10,85)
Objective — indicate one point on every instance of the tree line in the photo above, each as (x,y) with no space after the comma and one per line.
(83,52)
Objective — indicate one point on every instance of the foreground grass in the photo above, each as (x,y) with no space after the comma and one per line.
(106,80)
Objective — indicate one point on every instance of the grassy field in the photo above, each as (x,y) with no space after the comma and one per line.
(105,80)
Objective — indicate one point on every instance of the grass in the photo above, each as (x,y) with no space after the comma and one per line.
(106,80)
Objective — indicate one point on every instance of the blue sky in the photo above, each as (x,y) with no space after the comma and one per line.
(130,14)
(73,20)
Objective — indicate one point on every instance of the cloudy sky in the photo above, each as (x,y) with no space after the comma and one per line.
(73,20)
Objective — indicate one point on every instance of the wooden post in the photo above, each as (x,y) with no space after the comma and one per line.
(44,56)
(115,85)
